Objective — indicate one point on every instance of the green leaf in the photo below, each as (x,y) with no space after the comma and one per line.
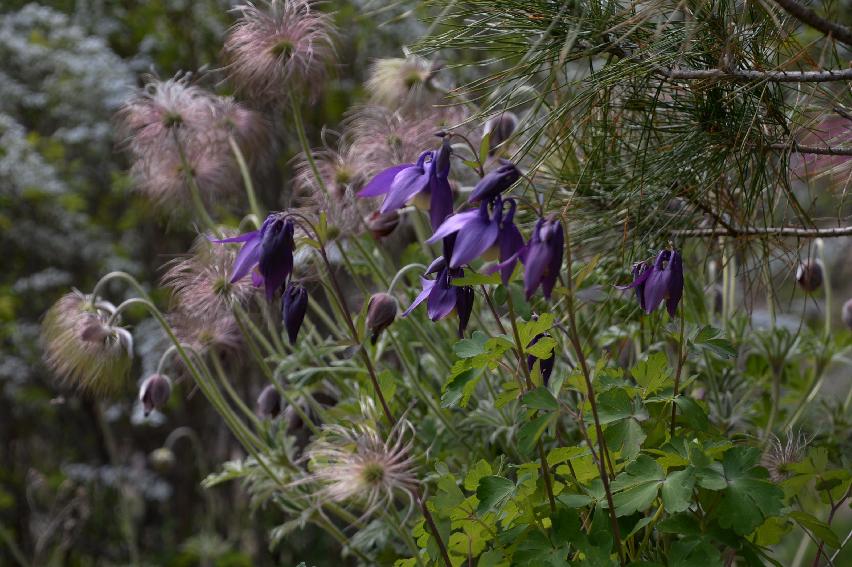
(574,500)
(387,384)
(677,489)
(637,486)
(540,399)
(543,349)
(692,551)
(528,330)
(459,389)
(562,454)
(652,373)
(531,432)
(509,393)
(625,436)
(749,498)
(484,144)
(469,348)
(493,493)
(474,278)
(475,473)
(820,529)
(614,405)
(692,413)
(712,339)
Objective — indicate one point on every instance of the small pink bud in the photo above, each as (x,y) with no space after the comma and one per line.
(381,312)
(809,275)
(269,402)
(382,224)
(155,392)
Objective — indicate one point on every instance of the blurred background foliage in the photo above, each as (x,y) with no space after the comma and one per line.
(67,215)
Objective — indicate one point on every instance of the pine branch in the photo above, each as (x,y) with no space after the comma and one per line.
(768,231)
(808,16)
(818,150)
(753,75)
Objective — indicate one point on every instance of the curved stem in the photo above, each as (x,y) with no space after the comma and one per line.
(247,182)
(194,190)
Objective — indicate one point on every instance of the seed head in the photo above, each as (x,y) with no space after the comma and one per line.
(400,82)
(219,333)
(154,392)
(201,282)
(83,348)
(500,127)
(278,46)
(809,275)
(780,455)
(355,465)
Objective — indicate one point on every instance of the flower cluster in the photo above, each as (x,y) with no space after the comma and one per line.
(658,281)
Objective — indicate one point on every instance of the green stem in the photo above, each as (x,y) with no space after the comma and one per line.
(306,147)
(247,182)
(194,190)
(681,355)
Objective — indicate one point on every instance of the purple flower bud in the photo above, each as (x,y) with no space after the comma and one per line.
(155,392)
(269,402)
(381,312)
(382,224)
(809,275)
(545,364)
(495,182)
(662,280)
(464,306)
(294,305)
(542,257)
(500,127)
(275,262)
(846,314)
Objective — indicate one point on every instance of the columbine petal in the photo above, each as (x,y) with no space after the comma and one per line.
(427,289)
(441,201)
(453,224)
(675,287)
(246,258)
(495,182)
(442,299)
(464,306)
(407,183)
(381,183)
(476,237)
(657,283)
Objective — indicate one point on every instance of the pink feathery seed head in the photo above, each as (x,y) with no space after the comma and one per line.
(831,131)
(250,129)
(83,347)
(218,333)
(779,455)
(153,115)
(277,46)
(201,281)
(400,83)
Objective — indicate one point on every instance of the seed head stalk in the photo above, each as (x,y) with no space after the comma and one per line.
(194,191)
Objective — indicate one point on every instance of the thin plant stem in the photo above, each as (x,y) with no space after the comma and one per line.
(574,338)
(194,190)
(681,355)
(306,147)
(254,205)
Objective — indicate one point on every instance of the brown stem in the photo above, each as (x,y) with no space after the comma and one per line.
(427,515)
(818,150)
(590,394)
(752,75)
(808,16)
(834,507)
(768,231)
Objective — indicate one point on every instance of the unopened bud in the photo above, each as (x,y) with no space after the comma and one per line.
(162,459)
(382,224)
(809,275)
(294,305)
(381,312)
(155,392)
(846,314)
(501,127)
(269,402)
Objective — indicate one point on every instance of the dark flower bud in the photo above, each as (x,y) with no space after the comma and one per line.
(716,298)
(464,306)
(809,275)
(155,392)
(545,364)
(293,309)
(495,182)
(381,312)
(382,224)
(501,127)
(442,158)
(846,314)
(269,402)
(276,255)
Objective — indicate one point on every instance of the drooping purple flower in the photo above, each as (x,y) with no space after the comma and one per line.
(270,249)
(542,257)
(545,364)
(294,305)
(424,183)
(662,280)
(511,242)
(476,231)
(495,182)
(441,296)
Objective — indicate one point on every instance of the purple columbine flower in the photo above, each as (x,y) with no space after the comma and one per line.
(425,183)
(270,249)
(441,296)
(294,305)
(479,232)
(495,182)
(662,280)
(542,257)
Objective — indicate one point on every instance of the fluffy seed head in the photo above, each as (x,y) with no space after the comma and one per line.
(400,82)
(201,282)
(154,392)
(277,46)
(83,348)
(809,275)
(780,455)
(355,465)
(219,333)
